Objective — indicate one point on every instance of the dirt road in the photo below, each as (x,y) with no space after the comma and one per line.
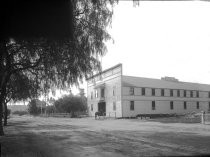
(64,137)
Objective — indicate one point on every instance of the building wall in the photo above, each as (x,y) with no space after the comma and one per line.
(111,80)
(143,103)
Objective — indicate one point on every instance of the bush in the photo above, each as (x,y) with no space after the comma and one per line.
(71,104)
(20,113)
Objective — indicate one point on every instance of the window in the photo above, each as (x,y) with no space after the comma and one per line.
(185,105)
(91,95)
(191,94)
(96,93)
(197,94)
(185,93)
(102,93)
(131,105)
(171,105)
(91,107)
(113,91)
(209,94)
(153,105)
(162,92)
(153,92)
(178,93)
(143,91)
(131,91)
(114,106)
(171,92)
(198,105)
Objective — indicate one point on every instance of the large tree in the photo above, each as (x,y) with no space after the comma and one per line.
(70,104)
(20,88)
(49,48)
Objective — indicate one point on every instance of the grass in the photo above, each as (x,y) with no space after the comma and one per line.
(62,137)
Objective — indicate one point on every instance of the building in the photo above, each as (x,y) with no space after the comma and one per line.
(126,96)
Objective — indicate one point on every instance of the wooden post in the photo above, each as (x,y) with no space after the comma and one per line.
(202,117)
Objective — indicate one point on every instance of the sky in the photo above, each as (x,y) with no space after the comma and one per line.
(157,39)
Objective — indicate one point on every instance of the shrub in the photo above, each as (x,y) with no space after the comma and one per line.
(20,113)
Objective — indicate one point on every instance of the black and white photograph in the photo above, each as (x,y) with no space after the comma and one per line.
(104,78)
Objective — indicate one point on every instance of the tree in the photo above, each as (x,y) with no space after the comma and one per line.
(19,88)
(50,109)
(42,54)
(70,104)
(35,107)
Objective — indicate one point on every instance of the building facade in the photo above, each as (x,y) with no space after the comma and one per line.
(126,96)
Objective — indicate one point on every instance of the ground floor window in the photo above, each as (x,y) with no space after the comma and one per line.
(114,106)
(131,105)
(209,106)
(185,105)
(153,105)
(197,105)
(171,105)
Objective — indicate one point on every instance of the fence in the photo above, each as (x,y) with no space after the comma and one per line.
(68,115)
(107,115)
(205,118)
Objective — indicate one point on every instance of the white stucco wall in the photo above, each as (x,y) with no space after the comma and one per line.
(112,81)
(143,104)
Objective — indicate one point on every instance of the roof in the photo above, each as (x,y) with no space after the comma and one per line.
(104,71)
(158,83)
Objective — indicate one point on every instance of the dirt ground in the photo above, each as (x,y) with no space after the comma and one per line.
(64,137)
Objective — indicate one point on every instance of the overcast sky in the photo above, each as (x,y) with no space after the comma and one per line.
(159,39)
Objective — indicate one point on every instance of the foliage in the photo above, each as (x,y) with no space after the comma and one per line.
(20,113)
(45,63)
(8,113)
(50,109)
(70,104)
(36,106)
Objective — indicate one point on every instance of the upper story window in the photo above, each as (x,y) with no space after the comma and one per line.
(191,94)
(114,106)
(96,93)
(171,92)
(197,94)
(102,92)
(178,93)
(131,91)
(153,92)
(91,95)
(185,93)
(162,92)
(113,92)
(185,105)
(153,105)
(131,105)
(143,91)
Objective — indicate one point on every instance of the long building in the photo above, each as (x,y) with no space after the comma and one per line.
(126,96)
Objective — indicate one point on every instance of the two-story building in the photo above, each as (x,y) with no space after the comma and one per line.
(127,96)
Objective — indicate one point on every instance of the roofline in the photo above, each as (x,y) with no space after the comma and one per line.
(118,65)
(165,80)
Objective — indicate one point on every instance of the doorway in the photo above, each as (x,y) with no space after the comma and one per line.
(102,107)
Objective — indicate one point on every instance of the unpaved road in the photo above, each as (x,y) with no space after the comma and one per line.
(64,137)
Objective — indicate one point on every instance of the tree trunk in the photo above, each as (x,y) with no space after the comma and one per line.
(5,114)
(2,100)
(1,115)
